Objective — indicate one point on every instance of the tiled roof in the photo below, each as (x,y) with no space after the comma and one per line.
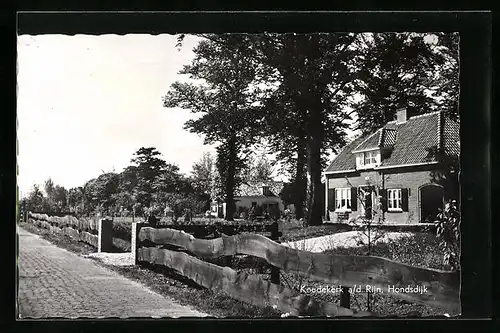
(371,141)
(254,189)
(388,137)
(345,159)
(451,137)
(411,142)
(415,138)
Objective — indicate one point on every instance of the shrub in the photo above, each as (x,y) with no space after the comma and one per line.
(122,230)
(180,205)
(418,250)
(448,232)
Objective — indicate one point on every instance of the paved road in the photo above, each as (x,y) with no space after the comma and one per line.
(54,282)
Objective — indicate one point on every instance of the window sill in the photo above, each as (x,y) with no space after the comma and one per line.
(343,211)
(364,167)
(395,210)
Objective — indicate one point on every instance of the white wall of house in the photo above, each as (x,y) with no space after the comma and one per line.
(246,202)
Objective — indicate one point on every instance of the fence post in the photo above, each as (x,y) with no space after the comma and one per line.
(275,271)
(105,235)
(345,298)
(226,260)
(134,243)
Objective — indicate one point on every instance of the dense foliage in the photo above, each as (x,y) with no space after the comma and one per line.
(149,185)
(302,92)
(219,91)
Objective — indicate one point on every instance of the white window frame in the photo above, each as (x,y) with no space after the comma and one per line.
(361,160)
(370,158)
(394,200)
(343,194)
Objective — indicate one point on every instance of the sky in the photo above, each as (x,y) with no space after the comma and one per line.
(85,104)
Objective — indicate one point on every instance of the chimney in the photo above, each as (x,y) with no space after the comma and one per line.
(265,190)
(401,116)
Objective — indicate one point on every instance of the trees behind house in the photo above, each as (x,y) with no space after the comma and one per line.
(259,169)
(305,115)
(224,101)
(405,70)
(310,82)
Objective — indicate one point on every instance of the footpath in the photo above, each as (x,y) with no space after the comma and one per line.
(53,282)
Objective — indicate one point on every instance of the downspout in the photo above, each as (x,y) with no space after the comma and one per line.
(383,188)
(327,218)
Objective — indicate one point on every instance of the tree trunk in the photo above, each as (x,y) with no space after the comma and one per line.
(314,209)
(316,191)
(300,180)
(230,206)
(231,178)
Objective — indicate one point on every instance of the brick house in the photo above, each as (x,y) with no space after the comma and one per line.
(401,173)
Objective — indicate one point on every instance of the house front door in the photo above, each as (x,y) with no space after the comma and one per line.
(431,202)
(366,197)
(368,205)
(220,211)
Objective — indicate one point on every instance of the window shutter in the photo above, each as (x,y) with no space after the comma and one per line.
(383,194)
(331,199)
(404,199)
(354,198)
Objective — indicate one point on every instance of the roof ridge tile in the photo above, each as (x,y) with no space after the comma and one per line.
(424,115)
(380,136)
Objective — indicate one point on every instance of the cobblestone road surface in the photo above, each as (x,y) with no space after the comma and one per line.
(54,282)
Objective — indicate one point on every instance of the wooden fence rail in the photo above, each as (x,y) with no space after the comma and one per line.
(442,286)
(240,285)
(87,224)
(217,229)
(96,233)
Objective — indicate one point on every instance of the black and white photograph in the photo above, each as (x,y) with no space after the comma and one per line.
(241,175)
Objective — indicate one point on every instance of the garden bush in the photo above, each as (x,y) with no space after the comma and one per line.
(448,233)
(122,230)
(421,249)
